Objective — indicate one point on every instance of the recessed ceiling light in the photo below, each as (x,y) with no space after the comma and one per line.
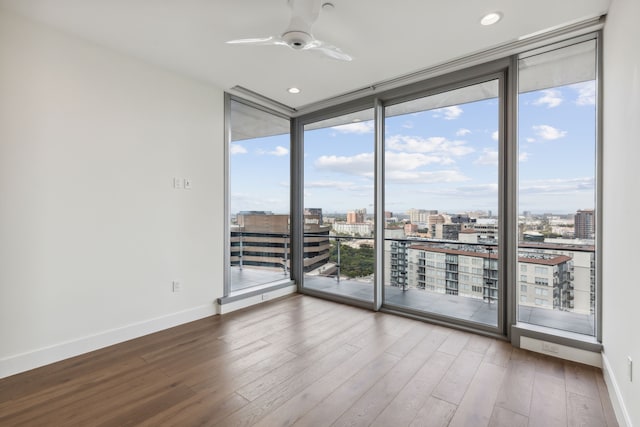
(293,90)
(491,18)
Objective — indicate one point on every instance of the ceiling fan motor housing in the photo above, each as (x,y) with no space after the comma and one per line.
(297,39)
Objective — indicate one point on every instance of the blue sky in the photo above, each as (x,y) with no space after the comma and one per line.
(443,159)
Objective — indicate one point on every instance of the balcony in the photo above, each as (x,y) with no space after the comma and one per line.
(345,271)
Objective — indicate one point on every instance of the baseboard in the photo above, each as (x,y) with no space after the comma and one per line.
(615,394)
(44,356)
(257,299)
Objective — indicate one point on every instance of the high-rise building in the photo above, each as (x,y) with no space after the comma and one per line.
(356,217)
(420,215)
(584,224)
(472,271)
(314,212)
(261,239)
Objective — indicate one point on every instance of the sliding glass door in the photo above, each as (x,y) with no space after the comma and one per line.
(442,201)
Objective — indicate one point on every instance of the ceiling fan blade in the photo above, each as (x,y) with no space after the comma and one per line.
(256,41)
(328,50)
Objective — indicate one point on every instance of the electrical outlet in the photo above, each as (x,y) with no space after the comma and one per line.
(187,184)
(630,365)
(177,286)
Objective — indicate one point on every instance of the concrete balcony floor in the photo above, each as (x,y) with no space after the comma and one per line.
(469,309)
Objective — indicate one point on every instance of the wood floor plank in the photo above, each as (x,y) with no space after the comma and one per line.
(374,401)
(345,395)
(265,383)
(517,388)
(607,407)
(410,339)
(584,411)
(434,413)
(476,406)
(499,353)
(581,379)
(202,409)
(304,361)
(455,343)
(312,395)
(505,418)
(548,402)
(404,408)
(331,328)
(549,365)
(454,384)
(479,344)
(279,394)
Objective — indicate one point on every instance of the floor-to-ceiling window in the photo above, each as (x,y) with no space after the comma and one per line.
(442,221)
(339,228)
(468,199)
(557,145)
(258,177)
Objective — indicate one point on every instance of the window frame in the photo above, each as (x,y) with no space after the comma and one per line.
(448,78)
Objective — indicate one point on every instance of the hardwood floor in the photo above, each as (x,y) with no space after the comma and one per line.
(304,361)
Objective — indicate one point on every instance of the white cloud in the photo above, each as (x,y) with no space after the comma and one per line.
(557,186)
(360,164)
(549,132)
(448,113)
(467,191)
(495,135)
(586,93)
(436,145)
(279,151)
(463,132)
(551,98)
(327,184)
(407,125)
(357,127)
(477,190)
(488,157)
(410,161)
(425,177)
(531,140)
(237,149)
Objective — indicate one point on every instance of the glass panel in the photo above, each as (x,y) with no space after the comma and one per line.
(259,197)
(338,200)
(557,169)
(441,204)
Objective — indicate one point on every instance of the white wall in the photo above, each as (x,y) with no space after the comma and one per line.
(621,162)
(91,232)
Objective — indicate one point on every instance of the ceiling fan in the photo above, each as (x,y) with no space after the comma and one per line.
(298,36)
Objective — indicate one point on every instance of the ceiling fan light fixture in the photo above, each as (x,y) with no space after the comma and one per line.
(297,39)
(491,18)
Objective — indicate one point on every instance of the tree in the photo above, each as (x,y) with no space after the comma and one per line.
(354,262)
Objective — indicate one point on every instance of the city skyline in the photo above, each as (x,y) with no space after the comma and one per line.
(444,159)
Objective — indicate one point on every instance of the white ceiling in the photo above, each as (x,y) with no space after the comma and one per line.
(386,38)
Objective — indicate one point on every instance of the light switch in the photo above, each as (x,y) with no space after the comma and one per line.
(177,183)
(187,184)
